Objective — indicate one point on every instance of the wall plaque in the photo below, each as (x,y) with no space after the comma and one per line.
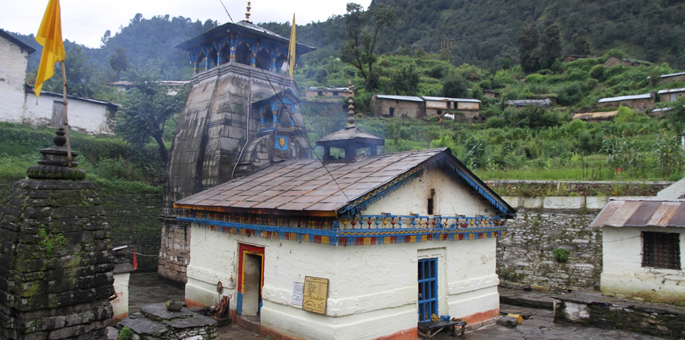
(315,294)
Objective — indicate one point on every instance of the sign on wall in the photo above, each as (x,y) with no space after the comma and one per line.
(315,294)
(298,292)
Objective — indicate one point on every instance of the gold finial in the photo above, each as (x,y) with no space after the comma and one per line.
(350,105)
(247,14)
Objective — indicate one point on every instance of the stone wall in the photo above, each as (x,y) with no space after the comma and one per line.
(555,216)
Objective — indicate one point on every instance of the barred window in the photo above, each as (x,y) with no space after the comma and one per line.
(661,250)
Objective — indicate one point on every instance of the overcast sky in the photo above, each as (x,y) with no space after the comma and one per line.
(85,21)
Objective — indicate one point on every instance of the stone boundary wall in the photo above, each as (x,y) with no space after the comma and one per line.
(559,221)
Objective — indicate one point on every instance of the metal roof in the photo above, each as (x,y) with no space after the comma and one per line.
(349,134)
(464,100)
(307,186)
(662,109)
(641,213)
(17,42)
(621,98)
(533,102)
(405,98)
(672,75)
(595,115)
(672,90)
(29,89)
(330,89)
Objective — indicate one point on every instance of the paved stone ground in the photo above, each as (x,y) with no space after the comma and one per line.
(538,324)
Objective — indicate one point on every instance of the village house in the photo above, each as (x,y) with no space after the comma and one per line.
(345,92)
(613,61)
(664,78)
(349,247)
(638,102)
(671,95)
(490,94)
(572,57)
(20,105)
(642,244)
(596,116)
(383,105)
(521,103)
(441,105)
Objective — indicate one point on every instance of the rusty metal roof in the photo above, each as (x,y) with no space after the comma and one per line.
(641,213)
(308,186)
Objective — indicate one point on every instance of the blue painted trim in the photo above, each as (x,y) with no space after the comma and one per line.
(239,304)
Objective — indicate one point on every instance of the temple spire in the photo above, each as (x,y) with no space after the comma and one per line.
(247,13)
(350,106)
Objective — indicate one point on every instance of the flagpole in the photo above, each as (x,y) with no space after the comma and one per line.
(66,120)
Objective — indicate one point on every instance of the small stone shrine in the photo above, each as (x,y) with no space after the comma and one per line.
(158,321)
(55,264)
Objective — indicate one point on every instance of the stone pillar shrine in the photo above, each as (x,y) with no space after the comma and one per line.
(55,264)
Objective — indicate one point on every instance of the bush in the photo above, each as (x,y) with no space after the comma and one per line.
(495,123)
(561,255)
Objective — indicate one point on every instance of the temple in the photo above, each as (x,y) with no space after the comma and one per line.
(242,115)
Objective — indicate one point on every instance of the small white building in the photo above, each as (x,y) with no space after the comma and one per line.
(14,56)
(85,115)
(642,244)
(350,248)
(441,105)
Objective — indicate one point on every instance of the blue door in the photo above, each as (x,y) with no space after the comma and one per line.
(428,289)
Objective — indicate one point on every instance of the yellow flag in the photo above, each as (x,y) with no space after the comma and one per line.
(291,50)
(50,37)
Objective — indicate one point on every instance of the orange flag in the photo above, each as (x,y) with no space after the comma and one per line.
(50,37)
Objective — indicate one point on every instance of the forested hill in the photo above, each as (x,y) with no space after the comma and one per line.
(484,31)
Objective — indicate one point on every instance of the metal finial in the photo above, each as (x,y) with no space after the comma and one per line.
(350,106)
(247,14)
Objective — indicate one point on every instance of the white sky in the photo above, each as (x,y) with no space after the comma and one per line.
(85,21)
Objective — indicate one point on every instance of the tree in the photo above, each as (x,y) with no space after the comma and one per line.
(581,42)
(363,30)
(529,52)
(146,109)
(82,78)
(455,87)
(405,81)
(551,46)
(119,60)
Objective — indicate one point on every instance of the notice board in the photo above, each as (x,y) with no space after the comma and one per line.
(315,294)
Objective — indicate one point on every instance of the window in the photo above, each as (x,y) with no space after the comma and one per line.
(392,112)
(661,250)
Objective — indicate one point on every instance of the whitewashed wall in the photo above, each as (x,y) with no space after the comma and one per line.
(84,116)
(623,274)
(373,289)
(12,76)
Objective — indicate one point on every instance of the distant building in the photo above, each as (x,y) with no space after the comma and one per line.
(441,105)
(490,94)
(643,242)
(638,102)
(383,105)
(573,57)
(521,103)
(596,116)
(671,95)
(173,85)
(312,91)
(664,78)
(612,61)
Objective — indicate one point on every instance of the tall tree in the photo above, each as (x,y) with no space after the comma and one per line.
(551,46)
(82,78)
(363,31)
(581,42)
(529,52)
(146,109)
(119,60)
(405,81)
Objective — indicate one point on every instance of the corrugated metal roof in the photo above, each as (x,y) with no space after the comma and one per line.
(620,98)
(595,115)
(306,185)
(641,213)
(531,102)
(329,89)
(672,75)
(663,109)
(405,98)
(671,90)
(463,100)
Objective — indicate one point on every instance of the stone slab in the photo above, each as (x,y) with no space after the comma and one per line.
(191,322)
(560,202)
(596,202)
(144,326)
(159,310)
(532,202)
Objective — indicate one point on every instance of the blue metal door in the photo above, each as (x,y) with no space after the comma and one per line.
(428,289)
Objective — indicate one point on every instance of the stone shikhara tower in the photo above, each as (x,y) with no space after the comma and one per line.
(55,264)
(242,115)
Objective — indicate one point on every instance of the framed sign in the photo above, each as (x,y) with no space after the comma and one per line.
(315,294)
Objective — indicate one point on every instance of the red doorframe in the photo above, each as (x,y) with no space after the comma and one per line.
(243,250)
